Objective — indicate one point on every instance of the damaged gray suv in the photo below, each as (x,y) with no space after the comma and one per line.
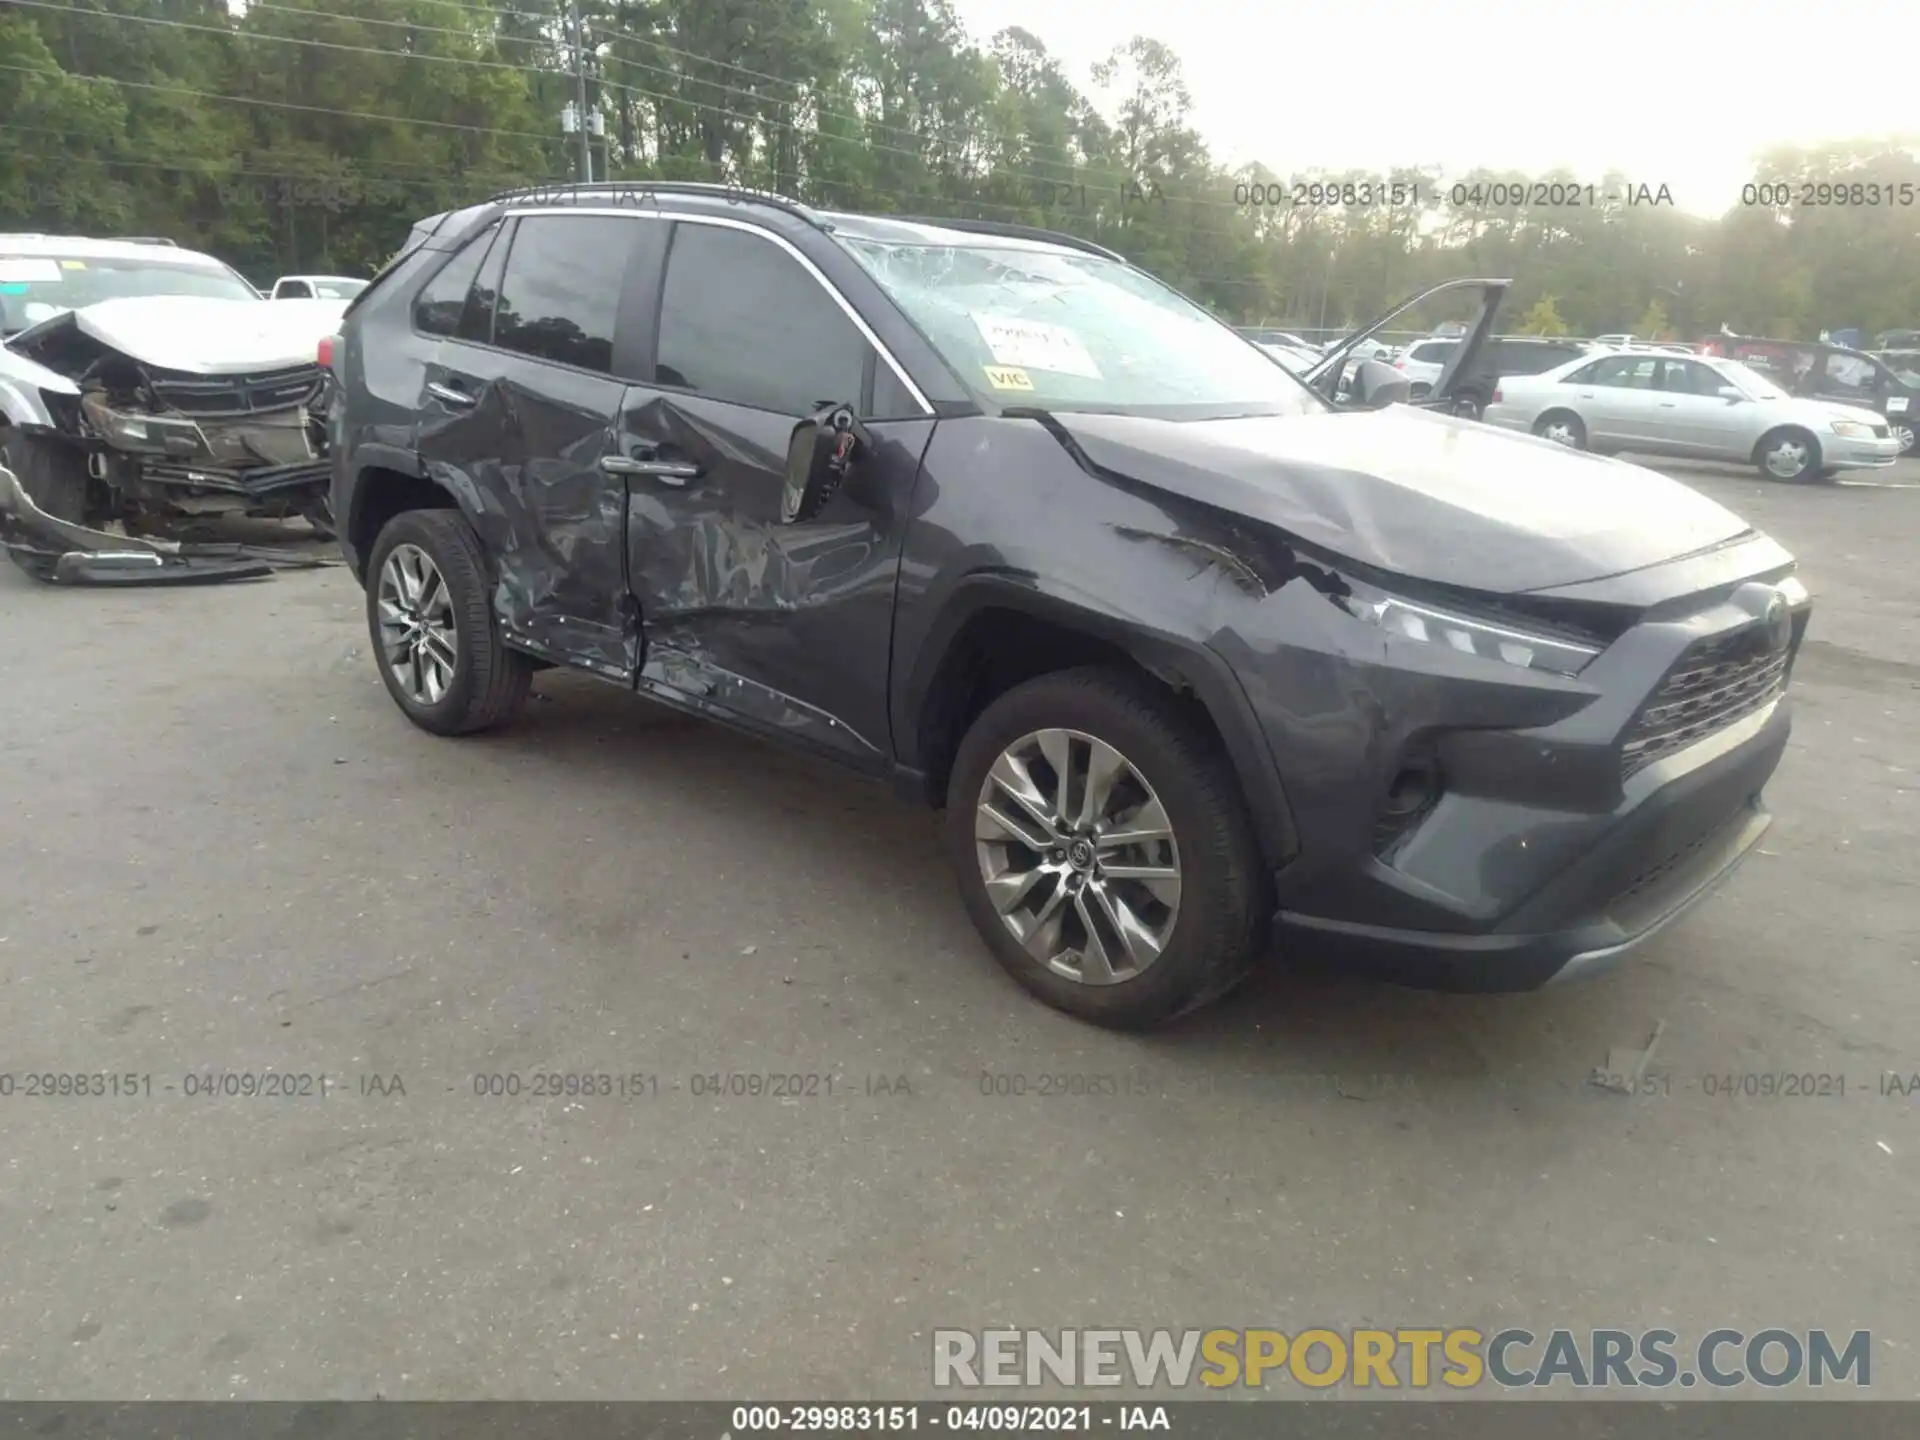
(1201,659)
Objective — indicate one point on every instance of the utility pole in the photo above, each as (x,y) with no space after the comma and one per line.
(578,45)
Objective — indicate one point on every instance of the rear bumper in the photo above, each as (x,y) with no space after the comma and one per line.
(1685,824)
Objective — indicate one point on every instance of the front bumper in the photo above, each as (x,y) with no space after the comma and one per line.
(1860,454)
(1697,815)
(1556,824)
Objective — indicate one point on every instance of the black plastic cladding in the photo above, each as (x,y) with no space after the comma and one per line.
(1203,551)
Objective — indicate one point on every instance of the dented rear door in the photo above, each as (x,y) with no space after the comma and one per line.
(782,627)
(519,422)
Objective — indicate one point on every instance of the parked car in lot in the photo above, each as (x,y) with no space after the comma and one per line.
(317,287)
(1512,355)
(144,384)
(1295,359)
(1192,656)
(1697,407)
(1264,335)
(1830,372)
(1424,362)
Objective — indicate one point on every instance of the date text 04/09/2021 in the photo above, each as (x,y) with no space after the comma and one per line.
(996,1419)
(194,1084)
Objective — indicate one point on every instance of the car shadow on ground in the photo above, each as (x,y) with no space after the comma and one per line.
(1299,1016)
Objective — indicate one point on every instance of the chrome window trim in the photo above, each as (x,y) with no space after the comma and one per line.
(671,216)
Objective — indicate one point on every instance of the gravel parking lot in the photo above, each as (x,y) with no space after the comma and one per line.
(225,852)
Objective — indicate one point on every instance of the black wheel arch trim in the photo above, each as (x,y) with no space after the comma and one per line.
(1161,653)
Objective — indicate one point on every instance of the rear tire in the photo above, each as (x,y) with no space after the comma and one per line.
(1789,455)
(1563,427)
(426,579)
(1076,957)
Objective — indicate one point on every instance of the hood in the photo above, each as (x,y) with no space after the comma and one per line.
(1419,494)
(1859,414)
(212,337)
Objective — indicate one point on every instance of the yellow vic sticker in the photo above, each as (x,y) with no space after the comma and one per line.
(1005,377)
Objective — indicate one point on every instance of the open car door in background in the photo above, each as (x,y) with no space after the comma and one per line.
(1331,374)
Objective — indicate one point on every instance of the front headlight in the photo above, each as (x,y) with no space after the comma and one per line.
(1487,639)
(1853,429)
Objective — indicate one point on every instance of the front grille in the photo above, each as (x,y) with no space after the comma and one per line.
(239,394)
(1714,684)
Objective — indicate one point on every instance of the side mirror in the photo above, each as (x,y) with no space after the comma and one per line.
(1730,395)
(821,451)
(1377,385)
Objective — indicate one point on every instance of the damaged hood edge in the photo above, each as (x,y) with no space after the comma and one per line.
(209,336)
(1411,493)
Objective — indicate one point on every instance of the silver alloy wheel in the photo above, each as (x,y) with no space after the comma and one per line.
(1786,458)
(1078,856)
(417,629)
(1561,432)
(1904,435)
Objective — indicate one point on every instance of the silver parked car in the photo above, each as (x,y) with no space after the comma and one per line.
(1698,407)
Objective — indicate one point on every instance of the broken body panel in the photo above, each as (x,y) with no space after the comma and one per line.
(636,531)
(184,407)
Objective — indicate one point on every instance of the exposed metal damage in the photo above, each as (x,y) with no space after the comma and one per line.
(126,462)
(68,553)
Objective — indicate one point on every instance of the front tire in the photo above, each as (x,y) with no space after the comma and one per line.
(1788,455)
(435,638)
(1103,851)
(1563,427)
(53,475)
(1908,437)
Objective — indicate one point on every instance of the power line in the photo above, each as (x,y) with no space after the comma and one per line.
(969,139)
(279,104)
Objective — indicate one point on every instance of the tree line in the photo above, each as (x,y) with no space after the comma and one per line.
(308,135)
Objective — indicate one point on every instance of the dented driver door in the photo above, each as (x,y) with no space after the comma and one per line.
(777,626)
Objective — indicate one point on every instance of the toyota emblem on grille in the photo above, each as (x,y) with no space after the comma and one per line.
(1772,631)
(1778,622)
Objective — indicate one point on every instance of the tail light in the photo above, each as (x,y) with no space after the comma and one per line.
(1496,395)
(324,355)
(1400,364)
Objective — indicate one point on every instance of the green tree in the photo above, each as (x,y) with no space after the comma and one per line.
(1543,318)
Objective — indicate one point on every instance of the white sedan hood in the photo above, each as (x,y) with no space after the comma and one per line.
(212,337)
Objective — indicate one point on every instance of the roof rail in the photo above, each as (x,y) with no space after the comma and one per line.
(731,193)
(143,240)
(1011,232)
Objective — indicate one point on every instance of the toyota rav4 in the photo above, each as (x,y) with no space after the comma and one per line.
(1201,661)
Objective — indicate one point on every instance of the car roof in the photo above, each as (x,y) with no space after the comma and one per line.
(889,231)
(80,246)
(350,279)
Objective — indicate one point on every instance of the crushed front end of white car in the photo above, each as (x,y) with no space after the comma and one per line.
(146,414)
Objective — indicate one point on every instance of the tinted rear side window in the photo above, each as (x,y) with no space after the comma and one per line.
(742,320)
(436,310)
(561,292)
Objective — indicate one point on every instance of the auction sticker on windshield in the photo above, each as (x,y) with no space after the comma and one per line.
(1035,345)
(1006,377)
(29,271)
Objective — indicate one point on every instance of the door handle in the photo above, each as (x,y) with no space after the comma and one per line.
(1667,404)
(450,394)
(669,472)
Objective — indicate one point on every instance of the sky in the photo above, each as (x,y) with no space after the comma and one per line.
(1682,93)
